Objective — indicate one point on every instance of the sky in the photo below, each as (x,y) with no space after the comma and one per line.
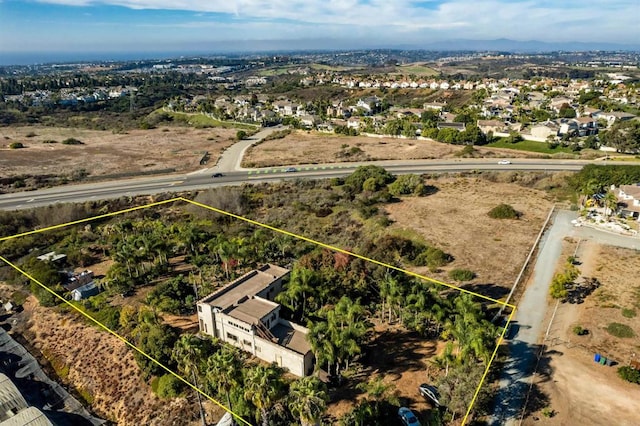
(221,25)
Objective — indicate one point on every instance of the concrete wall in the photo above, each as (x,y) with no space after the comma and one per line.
(298,364)
(205,319)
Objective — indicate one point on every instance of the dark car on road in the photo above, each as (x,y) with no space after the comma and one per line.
(217,175)
(407,417)
(290,169)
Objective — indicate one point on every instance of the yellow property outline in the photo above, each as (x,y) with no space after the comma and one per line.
(282,231)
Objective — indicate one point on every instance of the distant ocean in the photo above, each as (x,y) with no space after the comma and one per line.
(34,58)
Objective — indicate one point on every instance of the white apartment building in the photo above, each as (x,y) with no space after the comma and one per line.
(243,314)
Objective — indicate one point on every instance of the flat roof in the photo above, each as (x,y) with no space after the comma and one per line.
(252,310)
(291,339)
(249,285)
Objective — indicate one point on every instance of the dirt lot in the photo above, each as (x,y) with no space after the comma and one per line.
(324,148)
(579,390)
(108,153)
(455,220)
(401,358)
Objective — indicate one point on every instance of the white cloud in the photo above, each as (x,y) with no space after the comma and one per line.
(585,20)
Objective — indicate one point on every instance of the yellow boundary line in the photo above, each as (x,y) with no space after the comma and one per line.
(282,231)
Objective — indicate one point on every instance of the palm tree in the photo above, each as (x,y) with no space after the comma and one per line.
(263,386)
(322,343)
(610,203)
(224,371)
(308,400)
(301,283)
(186,353)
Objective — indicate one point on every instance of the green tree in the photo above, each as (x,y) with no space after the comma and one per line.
(263,386)
(380,177)
(567,111)
(308,400)
(47,274)
(301,284)
(406,185)
(224,371)
(187,354)
(610,203)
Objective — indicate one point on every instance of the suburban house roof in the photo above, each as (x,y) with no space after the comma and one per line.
(490,123)
(247,285)
(631,190)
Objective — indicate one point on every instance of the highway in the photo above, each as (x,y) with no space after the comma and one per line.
(203,179)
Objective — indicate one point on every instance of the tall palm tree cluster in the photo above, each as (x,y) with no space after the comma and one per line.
(338,299)
(142,249)
(256,392)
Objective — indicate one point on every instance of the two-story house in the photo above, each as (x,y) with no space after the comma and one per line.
(243,314)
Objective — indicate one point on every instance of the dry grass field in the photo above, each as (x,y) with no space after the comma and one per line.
(107,153)
(310,148)
(455,219)
(581,391)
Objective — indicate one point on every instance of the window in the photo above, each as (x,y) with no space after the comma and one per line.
(246,342)
(258,349)
(232,337)
(199,308)
(202,325)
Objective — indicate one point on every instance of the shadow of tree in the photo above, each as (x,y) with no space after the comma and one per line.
(490,290)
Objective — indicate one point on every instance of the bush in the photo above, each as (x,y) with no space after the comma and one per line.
(16,145)
(406,185)
(629,374)
(461,275)
(167,386)
(579,331)
(378,178)
(620,330)
(30,135)
(49,141)
(241,135)
(72,141)
(628,313)
(504,211)
(433,258)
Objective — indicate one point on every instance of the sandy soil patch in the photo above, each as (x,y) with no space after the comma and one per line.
(309,148)
(581,391)
(108,153)
(455,220)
